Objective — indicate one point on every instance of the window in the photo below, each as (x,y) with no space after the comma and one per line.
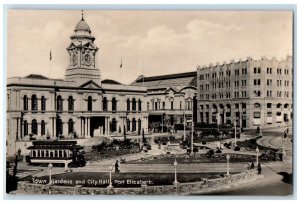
(43,103)
(163,105)
(59,103)
(269,114)
(133,125)
(43,127)
(171,105)
(90,103)
(25,127)
(34,102)
(114,104)
(128,105)
(140,105)
(255,70)
(114,125)
(256,114)
(180,106)
(34,127)
(70,126)
(258,70)
(237,106)
(148,105)
(128,124)
(256,105)
(139,125)
(25,103)
(70,104)
(104,104)
(133,104)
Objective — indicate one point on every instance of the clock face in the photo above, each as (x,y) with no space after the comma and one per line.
(88,59)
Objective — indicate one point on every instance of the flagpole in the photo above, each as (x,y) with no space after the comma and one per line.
(50,59)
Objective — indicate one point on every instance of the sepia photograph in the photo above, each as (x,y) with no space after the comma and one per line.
(149,102)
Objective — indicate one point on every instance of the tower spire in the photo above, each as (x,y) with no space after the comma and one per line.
(82,15)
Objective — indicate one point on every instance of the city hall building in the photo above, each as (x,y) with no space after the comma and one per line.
(251,92)
(80,106)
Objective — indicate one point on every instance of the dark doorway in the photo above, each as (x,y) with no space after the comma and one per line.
(97,126)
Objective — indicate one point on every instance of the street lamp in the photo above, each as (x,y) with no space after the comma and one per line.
(234,133)
(175,179)
(227,157)
(257,152)
(110,183)
(50,166)
(283,141)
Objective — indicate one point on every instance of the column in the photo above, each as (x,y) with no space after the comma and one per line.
(105,130)
(88,127)
(54,127)
(108,126)
(85,127)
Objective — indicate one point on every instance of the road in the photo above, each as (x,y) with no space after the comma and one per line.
(277,181)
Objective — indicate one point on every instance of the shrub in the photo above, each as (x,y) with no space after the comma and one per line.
(237,148)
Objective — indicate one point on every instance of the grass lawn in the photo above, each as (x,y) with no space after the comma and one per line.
(94,156)
(99,179)
(251,145)
(198,158)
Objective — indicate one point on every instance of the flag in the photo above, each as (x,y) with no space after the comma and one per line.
(50,55)
(121,65)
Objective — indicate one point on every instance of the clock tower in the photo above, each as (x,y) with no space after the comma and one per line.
(82,52)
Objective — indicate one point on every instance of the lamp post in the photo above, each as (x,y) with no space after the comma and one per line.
(283,141)
(175,179)
(234,133)
(110,183)
(227,157)
(257,152)
(50,168)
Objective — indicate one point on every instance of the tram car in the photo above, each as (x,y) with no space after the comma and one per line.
(59,153)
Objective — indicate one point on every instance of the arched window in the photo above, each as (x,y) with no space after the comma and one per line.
(59,103)
(114,125)
(59,126)
(25,102)
(133,125)
(128,104)
(25,127)
(104,104)
(180,106)
(278,105)
(43,127)
(34,102)
(90,103)
(140,105)
(43,103)
(34,127)
(256,105)
(133,104)
(114,104)
(70,126)
(70,104)
(172,105)
(128,124)
(286,105)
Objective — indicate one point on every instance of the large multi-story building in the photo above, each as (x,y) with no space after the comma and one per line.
(80,106)
(251,92)
(170,98)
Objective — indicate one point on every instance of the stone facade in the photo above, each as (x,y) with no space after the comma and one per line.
(251,92)
(80,106)
(170,98)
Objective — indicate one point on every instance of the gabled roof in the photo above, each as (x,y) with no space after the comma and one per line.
(90,84)
(168,76)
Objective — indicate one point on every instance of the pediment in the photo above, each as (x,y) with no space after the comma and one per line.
(91,85)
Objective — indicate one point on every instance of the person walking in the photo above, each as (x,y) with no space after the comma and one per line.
(252,165)
(117,170)
(259,168)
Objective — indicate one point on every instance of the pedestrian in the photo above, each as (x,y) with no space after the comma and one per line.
(117,167)
(258,168)
(252,165)
(287,130)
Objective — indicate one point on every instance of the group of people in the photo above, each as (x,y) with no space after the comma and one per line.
(252,166)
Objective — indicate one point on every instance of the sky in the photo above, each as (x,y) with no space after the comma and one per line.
(149,43)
